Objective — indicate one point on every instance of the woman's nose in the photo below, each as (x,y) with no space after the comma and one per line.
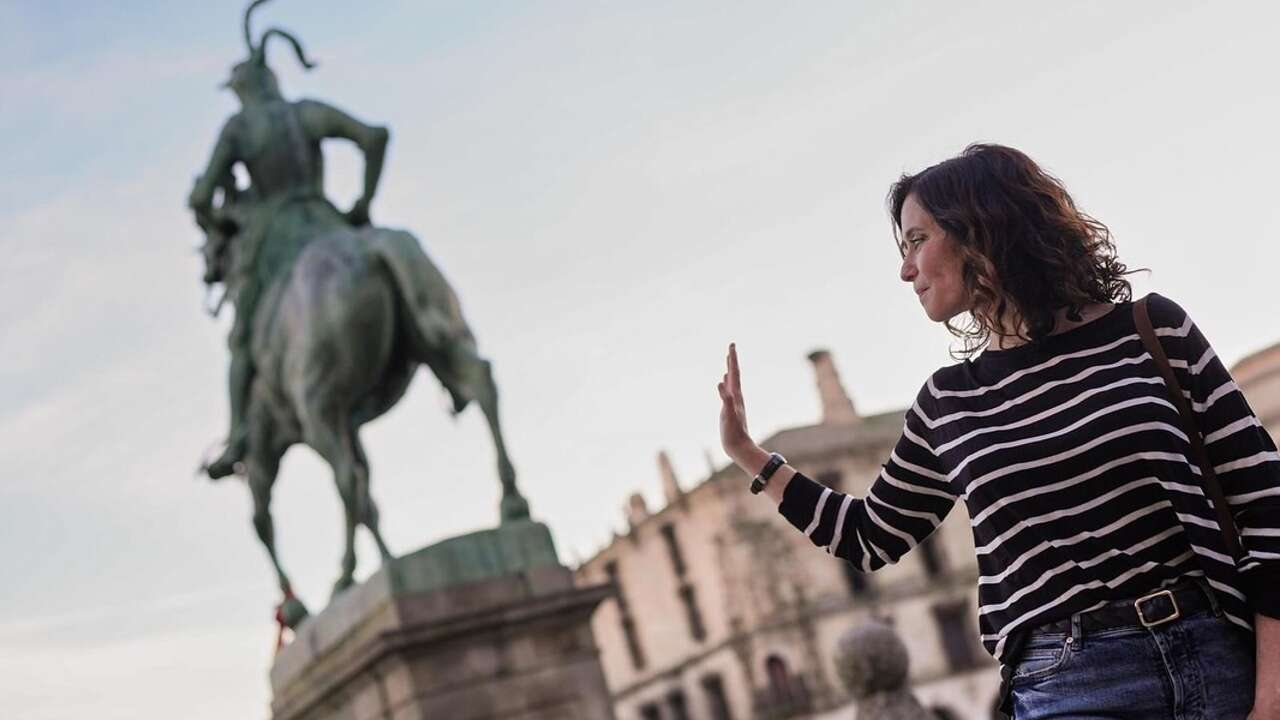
(908,271)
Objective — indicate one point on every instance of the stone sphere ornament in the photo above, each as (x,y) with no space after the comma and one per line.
(873,664)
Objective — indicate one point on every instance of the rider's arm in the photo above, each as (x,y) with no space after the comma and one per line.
(325,121)
(224,156)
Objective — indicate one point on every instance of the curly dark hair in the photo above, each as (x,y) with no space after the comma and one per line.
(1027,250)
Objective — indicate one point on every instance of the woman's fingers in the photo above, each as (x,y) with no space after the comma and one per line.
(735,373)
(728,403)
(735,378)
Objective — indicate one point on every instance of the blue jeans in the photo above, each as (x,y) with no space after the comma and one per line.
(1200,667)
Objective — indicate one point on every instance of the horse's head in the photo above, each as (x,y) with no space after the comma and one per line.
(215,258)
(219,237)
(216,252)
(221,221)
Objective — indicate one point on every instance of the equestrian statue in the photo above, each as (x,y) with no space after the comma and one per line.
(332,314)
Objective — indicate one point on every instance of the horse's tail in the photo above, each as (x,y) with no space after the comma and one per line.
(432,313)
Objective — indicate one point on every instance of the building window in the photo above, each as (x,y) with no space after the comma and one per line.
(957,638)
(930,554)
(673,549)
(611,571)
(687,597)
(786,695)
(633,642)
(696,629)
(779,680)
(679,707)
(628,623)
(650,711)
(717,701)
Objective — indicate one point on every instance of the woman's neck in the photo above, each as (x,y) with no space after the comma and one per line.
(1003,339)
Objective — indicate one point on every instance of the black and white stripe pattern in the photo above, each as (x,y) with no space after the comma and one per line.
(1077,475)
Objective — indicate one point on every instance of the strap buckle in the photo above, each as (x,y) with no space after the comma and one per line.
(1137,605)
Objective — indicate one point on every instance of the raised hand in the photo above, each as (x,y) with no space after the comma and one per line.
(734,437)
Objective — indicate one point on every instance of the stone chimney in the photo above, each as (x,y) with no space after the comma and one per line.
(837,408)
(637,510)
(670,486)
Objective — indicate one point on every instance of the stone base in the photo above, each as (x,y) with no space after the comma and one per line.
(485,626)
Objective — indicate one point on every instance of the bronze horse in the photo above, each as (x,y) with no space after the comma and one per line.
(336,341)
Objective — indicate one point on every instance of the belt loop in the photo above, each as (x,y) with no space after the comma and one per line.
(1204,586)
(1077,634)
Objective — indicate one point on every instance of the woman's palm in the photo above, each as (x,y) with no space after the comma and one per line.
(733,412)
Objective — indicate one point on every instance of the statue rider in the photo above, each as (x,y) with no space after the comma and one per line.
(278,143)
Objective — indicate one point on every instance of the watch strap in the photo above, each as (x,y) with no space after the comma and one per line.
(761,479)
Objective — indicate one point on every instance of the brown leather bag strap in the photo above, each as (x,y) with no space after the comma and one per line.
(1211,486)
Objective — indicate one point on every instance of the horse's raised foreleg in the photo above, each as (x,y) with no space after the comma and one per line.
(477,377)
(262,463)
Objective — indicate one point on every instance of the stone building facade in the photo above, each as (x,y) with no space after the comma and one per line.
(1258,376)
(726,612)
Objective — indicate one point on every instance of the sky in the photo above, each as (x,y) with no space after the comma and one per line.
(616,190)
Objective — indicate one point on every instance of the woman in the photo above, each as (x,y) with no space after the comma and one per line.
(1106,587)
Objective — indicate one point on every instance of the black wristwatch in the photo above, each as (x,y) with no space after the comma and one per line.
(762,478)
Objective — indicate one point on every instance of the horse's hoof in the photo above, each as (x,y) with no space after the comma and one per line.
(293,612)
(514,507)
(223,467)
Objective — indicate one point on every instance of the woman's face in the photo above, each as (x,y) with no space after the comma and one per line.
(931,263)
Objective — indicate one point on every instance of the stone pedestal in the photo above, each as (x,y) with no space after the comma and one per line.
(484,626)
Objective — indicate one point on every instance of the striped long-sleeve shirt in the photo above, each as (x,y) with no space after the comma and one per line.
(1080,483)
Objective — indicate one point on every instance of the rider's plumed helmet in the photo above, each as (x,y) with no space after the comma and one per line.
(252,77)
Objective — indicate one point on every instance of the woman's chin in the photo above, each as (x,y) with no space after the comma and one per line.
(940,314)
